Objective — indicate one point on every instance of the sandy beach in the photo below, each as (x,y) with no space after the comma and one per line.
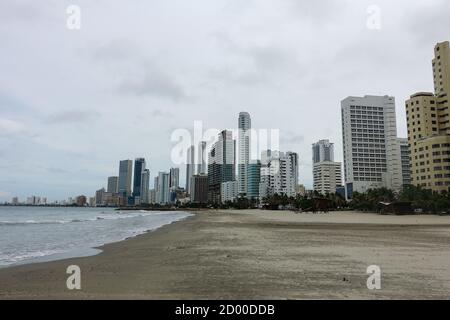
(256,254)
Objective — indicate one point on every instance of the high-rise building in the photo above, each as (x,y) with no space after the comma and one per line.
(113,185)
(229,191)
(152,196)
(428,119)
(125,176)
(163,191)
(145,185)
(199,184)
(253,179)
(441,69)
(371,150)
(202,167)
(244,131)
(99,195)
(174,178)
(139,167)
(326,173)
(15,201)
(327,177)
(190,167)
(221,164)
(406,167)
(323,151)
(279,173)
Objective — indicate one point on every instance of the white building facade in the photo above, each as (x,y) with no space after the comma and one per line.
(162,191)
(279,173)
(371,149)
(244,131)
(229,191)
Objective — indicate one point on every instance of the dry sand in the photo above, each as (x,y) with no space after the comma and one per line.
(257,254)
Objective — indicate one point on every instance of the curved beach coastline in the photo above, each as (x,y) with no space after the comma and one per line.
(40,234)
(255,254)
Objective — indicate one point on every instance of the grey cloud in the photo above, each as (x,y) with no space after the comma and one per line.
(71,116)
(317,11)
(152,82)
(290,137)
(11,105)
(55,170)
(20,10)
(115,50)
(431,22)
(255,63)
(137,70)
(158,113)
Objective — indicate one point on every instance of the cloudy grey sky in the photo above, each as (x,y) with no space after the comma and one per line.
(75,102)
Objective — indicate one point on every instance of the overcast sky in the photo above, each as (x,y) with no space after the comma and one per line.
(75,102)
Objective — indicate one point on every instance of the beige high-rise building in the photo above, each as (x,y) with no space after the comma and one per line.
(428,118)
(327,177)
(326,173)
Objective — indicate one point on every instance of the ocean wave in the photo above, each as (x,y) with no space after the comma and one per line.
(28,222)
(98,218)
(7,259)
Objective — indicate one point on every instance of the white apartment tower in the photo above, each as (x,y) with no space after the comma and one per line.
(162,189)
(372,157)
(244,127)
(279,173)
(190,167)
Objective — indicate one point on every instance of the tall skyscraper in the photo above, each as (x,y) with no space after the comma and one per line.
(371,150)
(174,178)
(326,173)
(99,197)
(221,164)
(125,176)
(163,191)
(139,167)
(190,167)
(323,151)
(145,185)
(202,167)
(253,179)
(406,167)
(113,185)
(155,188)
(279,173)
(199,184)
(428,119)
(244,126)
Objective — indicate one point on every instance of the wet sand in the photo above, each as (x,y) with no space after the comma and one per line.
(257,254)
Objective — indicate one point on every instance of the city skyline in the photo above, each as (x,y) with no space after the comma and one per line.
(77,132)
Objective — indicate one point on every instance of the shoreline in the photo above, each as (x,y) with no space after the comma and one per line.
(85,251)
(230,254)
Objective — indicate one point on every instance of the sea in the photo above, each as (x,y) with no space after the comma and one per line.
(38,234)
